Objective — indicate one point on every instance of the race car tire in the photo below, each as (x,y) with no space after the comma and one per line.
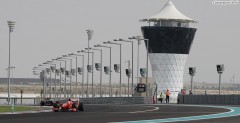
(74,105)
(55,105)
(80,107)
(42,103)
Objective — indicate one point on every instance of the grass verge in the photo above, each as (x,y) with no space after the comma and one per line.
(17,108)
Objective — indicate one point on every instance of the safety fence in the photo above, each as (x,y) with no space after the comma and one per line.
(210,99)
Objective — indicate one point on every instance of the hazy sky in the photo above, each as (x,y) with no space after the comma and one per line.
(46,29)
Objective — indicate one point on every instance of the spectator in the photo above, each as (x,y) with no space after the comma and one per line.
(161,97)
(178,97)
(167,96)
(190,92)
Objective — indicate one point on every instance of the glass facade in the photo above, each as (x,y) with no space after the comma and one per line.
(176,40)
(168,51)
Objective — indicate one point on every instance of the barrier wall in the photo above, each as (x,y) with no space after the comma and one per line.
(117,100)
(95,100)
(210,99)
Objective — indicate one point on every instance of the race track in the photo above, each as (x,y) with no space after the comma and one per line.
(126,114)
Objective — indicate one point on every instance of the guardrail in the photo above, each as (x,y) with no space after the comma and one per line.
(21,101)
(94,100)
(210,99)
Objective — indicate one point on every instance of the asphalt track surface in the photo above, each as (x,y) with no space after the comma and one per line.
(121,113)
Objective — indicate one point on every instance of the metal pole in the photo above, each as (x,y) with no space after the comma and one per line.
(65,81)
(46,84)
(92,71)
(191,83)
(120,70)
(128,77)
(82,75)
(76,77)
(87,72)
(110,79)
(220,83)
(9,63)
(70,78)
(101,77)
(44,92)
(128,87)
(138,60)
(60,81)
(147,67)
(233,85)
(132,69)
(55,82)
(50,83)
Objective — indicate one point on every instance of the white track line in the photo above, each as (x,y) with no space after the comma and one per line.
(155,108)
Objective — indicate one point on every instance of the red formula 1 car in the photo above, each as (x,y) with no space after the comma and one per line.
(63,105)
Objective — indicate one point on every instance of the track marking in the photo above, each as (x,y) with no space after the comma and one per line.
(234,111)
(155,108)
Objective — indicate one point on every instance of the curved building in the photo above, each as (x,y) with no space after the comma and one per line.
(170,40)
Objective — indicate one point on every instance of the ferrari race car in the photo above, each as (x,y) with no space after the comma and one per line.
(63,105)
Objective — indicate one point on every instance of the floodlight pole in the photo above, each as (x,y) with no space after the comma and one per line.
(44,82)
(76,76)
(55,84)
(101,76)
(92,69)
(82,74)
(50,93)
(65,80)
(70,78)
(82,71)
(147,40)
(11,26)
(89,33)
(100,89)
(60,84)
(65,77)
(64,57)
(70,55)
(128,87)
(110,80)
(132,60)
(191,83)
(120,45)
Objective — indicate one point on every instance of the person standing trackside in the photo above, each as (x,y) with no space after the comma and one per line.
(161,97)
(167,96)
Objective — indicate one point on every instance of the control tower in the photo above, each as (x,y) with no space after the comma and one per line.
(170,40)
